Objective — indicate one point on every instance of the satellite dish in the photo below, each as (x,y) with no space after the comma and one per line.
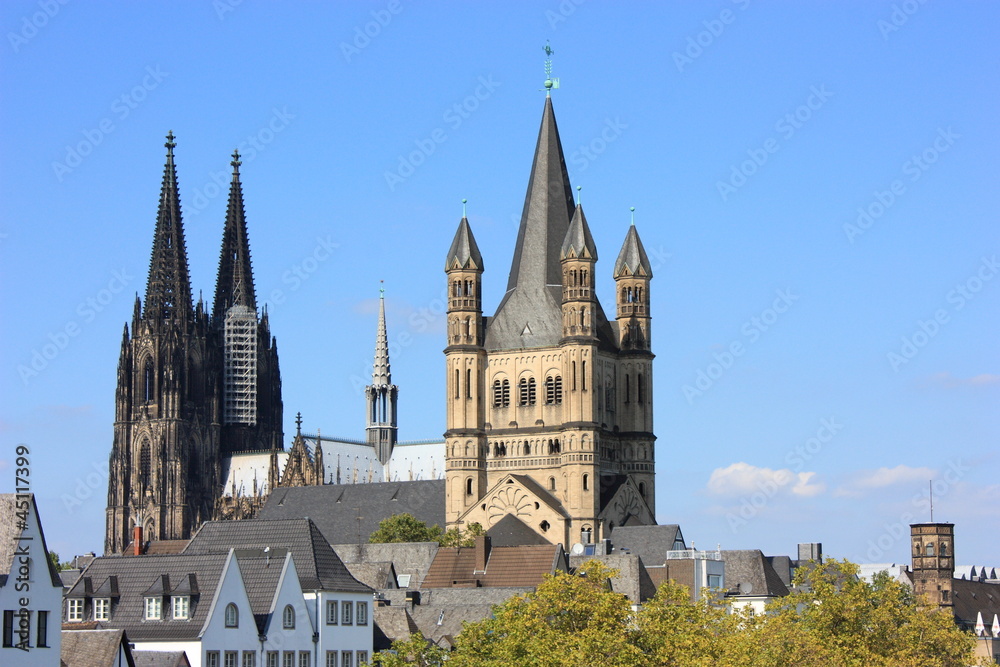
(745,588)
(577,549)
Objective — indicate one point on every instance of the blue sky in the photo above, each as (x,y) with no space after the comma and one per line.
(816,185)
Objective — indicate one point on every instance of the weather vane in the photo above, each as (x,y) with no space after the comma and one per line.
(550,83)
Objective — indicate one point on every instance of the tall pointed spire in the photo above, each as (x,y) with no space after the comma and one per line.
(235,282)
(381,375)
(168,288)
(632,260)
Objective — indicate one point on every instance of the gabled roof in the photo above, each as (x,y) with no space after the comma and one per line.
(11,529)
(650,543)
(335,507)
(160,659)
(970,598)
(632,259)
(407,558)
(520,566)
(261,572)
(318,566)
(374,575)
(136,575)
(464,252)
(511,531)
(748,573)
(95,648)
(633,580)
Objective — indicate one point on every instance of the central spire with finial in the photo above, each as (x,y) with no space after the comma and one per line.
(170,144)
(236,163)
(464,202)
(298,423)
(632,210)
(381,289)
(550,83)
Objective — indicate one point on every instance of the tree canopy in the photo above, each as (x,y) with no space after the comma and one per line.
(832,617)
(407,528)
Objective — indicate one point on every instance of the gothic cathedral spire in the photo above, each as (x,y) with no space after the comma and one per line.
(235,282)
(381,394)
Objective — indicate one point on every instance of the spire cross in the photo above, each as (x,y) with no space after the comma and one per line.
(170,143)
(236,163)
(298,423)
(464,202)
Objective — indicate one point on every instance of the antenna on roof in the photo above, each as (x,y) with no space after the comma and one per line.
(930,487)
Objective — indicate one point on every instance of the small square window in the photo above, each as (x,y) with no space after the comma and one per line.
(249,659)
(346,609)
(304,660)
(211,659)
(331,659)
(232,658)
(154,609)
(347,659)
(288,659)
(74,609)
(272,659)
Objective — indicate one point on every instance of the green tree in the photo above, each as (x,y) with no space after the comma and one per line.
(404,528)
(569,620)
(413,651)
(453,537)
(54,557)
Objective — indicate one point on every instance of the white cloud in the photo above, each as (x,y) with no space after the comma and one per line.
(949,381)
(743,479)
(875,479)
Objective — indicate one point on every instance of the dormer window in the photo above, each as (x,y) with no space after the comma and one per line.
(181,605)
(232,616)
(102,609)
(74,609)
(154,609)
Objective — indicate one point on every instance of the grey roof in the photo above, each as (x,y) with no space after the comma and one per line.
(318,565)
(633,580)
(335,507)
(412,558)
(783,567)
(94,648)
(632,259)
(261,574)
(464,253)
(970,598)
(391,623)
(530,314)
(511,531)
(160,659)
(135,575)
(10,533)
(749,573)
(578,241)
(375,575)
(650,543)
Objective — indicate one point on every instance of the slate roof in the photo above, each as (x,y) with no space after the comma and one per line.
(633,581)
(317,564)
(10,533)
(530,314)
(748,573)
(632,258)
(519,566)
(261,574)
(93,648)
(650,543)
(511,531)
(374,575)
(391,623)
(136,574)
(160,659)
(335,507)
(579,242)
(412,558)
(464,253)
(972,597)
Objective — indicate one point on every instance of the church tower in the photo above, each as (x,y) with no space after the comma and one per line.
(933,562)
(192,388)
(164,467)
(549,403)
(381,394)
(251,380)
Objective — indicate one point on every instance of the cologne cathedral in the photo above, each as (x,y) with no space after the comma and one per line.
(194,387)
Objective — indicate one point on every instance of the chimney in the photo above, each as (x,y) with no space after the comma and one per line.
(482,553)
(137,540)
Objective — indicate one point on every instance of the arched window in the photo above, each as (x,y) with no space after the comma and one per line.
(552,483)
(628,389)
(544,525)
(573,377)
(145,466)
(527,448)
(458,386)
(288,618)
(586,482)
(916,548)
(526,391)
(642,489)
(232,616)
(583,375)
(641,389)
(930,549)
(468,383)
(147,382)
(468,486)
(944,548)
